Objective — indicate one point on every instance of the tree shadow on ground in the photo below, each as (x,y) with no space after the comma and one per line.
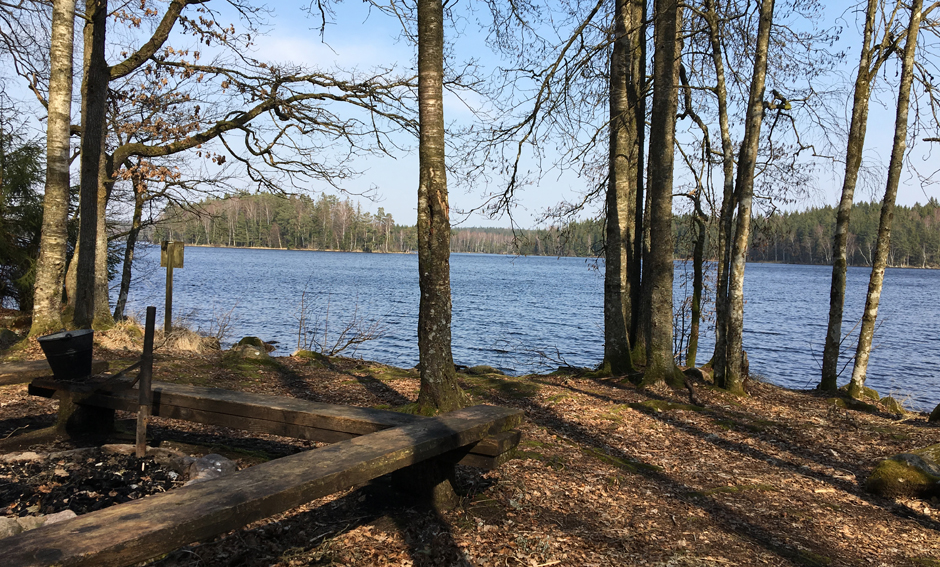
(742,421)
(306,538)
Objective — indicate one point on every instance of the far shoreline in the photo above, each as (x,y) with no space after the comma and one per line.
(509,254)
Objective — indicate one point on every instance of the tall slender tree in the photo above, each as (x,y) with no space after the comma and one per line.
(731,376)
(50,266)
(625,179)
(94,100)
(439,388)
(880,261)
(870,60)
(657,279)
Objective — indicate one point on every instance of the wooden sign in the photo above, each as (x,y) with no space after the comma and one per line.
(171,254)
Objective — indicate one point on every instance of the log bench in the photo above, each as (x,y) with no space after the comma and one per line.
(259,413)
(138,530)
(24,372)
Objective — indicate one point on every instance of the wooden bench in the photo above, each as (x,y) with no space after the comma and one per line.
(24,372)
(275,415)
(142,529)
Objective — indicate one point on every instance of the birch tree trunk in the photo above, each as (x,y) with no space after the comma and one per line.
(660,364)
(626,156)
(440,391)
(853,161)
(879,263)
(50,266)
(733,376)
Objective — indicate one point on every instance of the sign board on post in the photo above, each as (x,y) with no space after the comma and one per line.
(171,256)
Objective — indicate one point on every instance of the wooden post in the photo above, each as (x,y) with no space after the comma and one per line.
(168,318)
(171,256)
(146,375)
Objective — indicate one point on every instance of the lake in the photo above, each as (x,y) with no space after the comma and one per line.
(525,314)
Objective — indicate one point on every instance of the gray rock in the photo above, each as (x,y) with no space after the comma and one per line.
(9,527)
(60,516)
(917,462)
(24,457)
(249,351)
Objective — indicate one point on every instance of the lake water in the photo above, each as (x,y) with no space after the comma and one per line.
(524,314)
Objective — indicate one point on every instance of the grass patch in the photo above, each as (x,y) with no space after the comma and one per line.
(925,561)
(553,461)
(624,464)
(502,386)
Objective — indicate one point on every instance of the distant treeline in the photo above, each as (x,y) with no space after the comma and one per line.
(328,223)
(806,237)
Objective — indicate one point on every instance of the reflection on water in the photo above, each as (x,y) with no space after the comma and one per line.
(529,314)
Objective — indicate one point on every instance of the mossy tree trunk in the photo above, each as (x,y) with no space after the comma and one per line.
(50,266)
(853,161)
(440,391)
(660,364)
(621,284)
(880,260)
(733,371)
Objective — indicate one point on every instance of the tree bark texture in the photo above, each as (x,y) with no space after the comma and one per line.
(102,318)
(94,101)
(698,283)
(139,185)
(853,161)
(880,261)
(744,187)
(440,391)
(728,202)
(50,266)
(620,292)
(660,364)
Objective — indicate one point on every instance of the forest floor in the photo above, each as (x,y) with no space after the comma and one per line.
(605,475)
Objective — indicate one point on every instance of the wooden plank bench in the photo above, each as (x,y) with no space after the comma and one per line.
(275,415)
(145,528)
(24,372)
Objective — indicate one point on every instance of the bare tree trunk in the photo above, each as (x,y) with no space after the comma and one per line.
(744,187)
(887,207)
(853,161)
(728,203)
(139,189)
(94,100)
(625,154)
(440,391)
(638,66)
(660,364)
(102,318)
(50,266)
(698,261)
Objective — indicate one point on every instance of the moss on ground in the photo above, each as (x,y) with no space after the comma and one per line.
(630,466)
(853,404)
(503,386)
(659,406)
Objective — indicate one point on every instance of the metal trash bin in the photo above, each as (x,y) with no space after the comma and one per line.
(69,353)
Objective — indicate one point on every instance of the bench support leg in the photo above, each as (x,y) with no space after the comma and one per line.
(430,484)
(76,420)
